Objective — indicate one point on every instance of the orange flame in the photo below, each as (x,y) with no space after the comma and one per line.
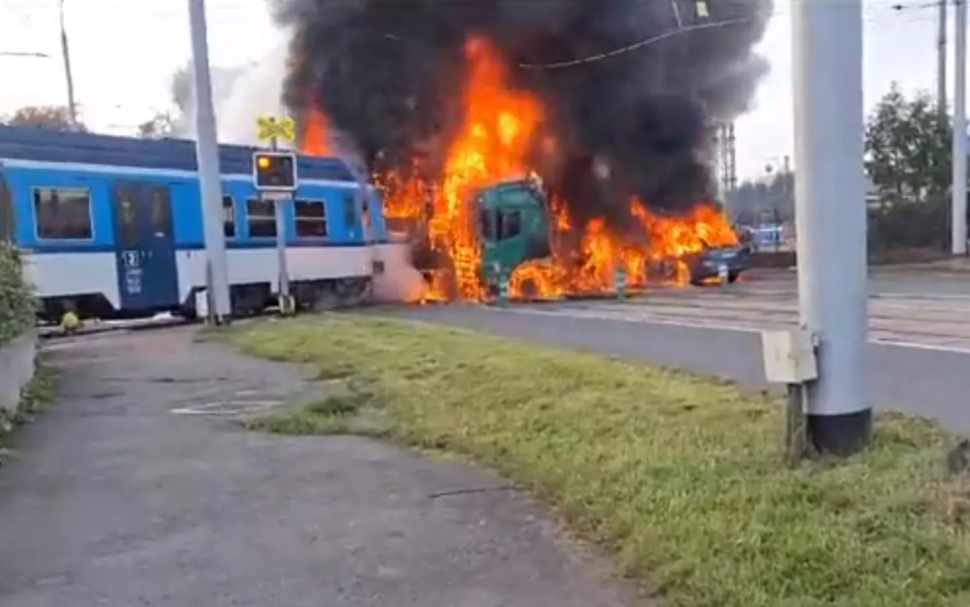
(661,242)
(316,134)
(499,124)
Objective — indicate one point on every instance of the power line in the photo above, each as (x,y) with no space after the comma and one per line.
(24,54)
(898,7)
(637,45)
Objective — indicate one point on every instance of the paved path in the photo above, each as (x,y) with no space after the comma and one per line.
(124,494)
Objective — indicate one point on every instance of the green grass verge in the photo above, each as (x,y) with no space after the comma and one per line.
(334,414)
(38,393)
(680,476)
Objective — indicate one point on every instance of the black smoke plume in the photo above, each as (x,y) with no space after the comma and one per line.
(389,73)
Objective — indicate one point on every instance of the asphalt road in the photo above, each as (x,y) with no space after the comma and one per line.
(918,359)
(135,489)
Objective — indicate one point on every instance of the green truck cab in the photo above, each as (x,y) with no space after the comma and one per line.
(513,220)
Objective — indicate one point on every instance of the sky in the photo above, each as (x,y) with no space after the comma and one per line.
(123,53)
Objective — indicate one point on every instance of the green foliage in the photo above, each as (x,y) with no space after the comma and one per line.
(679,475)
(54,118)
(17,303)
(910,225)
(35,396)
(161,125)
(908,149)
(770,200)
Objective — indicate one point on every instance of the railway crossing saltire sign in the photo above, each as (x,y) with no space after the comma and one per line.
(270,128)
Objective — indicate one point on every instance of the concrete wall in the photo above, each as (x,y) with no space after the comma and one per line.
(16,369)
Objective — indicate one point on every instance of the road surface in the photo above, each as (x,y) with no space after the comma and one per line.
(919,324)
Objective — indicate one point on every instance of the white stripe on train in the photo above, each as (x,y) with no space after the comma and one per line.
(66,274)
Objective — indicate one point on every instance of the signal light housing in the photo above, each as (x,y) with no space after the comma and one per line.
(274,171)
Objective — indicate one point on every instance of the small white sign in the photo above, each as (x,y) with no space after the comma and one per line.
(789,356)
(275,196)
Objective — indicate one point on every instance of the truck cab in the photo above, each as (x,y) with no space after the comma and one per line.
(514,226)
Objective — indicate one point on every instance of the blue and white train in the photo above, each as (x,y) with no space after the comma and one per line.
(112,226)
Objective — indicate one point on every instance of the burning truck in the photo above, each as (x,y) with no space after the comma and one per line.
(528,241)
(516,230)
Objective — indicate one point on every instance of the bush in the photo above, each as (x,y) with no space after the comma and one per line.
(910,225)
(17,304)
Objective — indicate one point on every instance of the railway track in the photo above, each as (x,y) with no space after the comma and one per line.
(919,319)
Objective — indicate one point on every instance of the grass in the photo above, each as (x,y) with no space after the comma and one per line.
(38,393)
(334,414)
(680,477)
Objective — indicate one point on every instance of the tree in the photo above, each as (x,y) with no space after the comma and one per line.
(161,125)
(769,200)
(46,117)
(907,146)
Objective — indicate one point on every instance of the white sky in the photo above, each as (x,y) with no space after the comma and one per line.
(123,53)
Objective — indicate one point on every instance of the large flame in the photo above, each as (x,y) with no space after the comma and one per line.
(316,134)
(492,144)
(500,126)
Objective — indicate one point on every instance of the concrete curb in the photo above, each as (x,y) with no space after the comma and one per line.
(16,369)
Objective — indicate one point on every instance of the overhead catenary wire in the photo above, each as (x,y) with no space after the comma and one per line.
(681,29)
(638,45)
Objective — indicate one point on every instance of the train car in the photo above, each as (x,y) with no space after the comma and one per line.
(112,226)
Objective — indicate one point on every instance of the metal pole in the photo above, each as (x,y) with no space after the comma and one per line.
(71,105)
(831,216)
(207,153)
(941,60)
(786,178)
(958,221)
(284,274)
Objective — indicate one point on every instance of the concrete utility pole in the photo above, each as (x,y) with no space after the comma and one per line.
(958,220)
(71,105)
(831,217)
(207,153)
(941,60)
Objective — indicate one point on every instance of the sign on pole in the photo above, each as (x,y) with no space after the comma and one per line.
(274,171)
(272,129)
(275,178)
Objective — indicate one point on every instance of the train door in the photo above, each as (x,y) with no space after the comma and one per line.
(145,247)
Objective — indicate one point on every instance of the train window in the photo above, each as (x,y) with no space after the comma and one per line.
(311,218)
(511,225)
(128,209)
(63,214)
(161,213)
(261,216)
(228,217)
(7,225)
(350,210)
